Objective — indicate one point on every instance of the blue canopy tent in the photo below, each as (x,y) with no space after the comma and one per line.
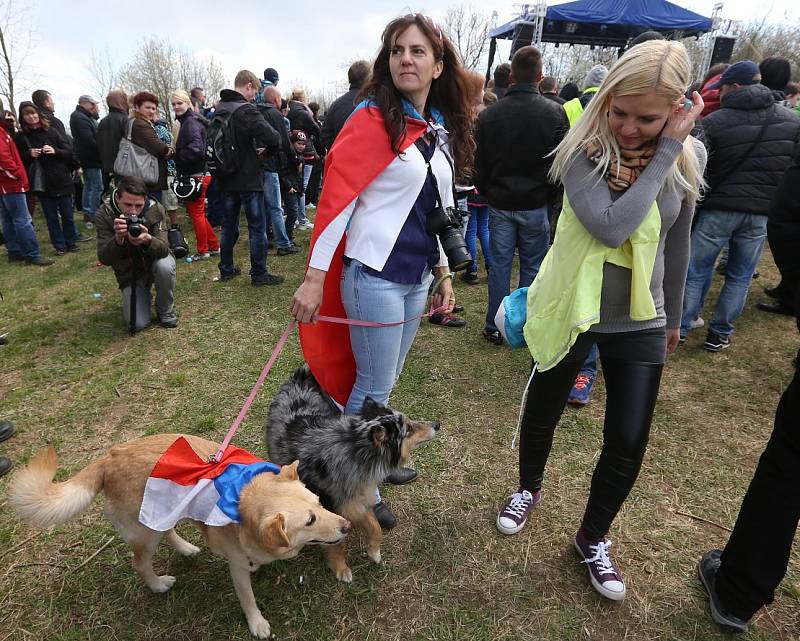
(611,23)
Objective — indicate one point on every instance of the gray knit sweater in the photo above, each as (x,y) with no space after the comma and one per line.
(611,217)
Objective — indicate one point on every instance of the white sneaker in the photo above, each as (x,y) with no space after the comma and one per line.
(697,323)
(306,226)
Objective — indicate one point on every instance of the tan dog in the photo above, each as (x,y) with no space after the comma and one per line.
(278,514)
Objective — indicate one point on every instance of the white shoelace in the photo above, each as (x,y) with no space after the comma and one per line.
(519,503)
(600,557)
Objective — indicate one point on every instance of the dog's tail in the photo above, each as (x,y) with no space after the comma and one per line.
(43,503)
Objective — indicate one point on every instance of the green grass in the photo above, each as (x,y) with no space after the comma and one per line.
(72,375)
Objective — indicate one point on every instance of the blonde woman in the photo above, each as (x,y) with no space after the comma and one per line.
(615,277)
(190,160)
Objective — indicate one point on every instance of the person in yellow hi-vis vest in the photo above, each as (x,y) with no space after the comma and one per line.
(591,85)
(614,276)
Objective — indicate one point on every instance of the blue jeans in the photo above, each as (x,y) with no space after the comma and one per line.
(478,228)
(379,351)
(58,214)
(527,231)
(92,191)
(589,366)
(17,227)
(272,201)
(301,213)
(253,203)
(745,235)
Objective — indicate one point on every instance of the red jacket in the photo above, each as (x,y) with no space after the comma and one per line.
(710,96)
(13,179)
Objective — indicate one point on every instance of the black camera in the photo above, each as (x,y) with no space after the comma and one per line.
(134,224)
(446,223)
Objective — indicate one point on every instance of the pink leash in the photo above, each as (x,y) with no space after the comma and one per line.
(215,458)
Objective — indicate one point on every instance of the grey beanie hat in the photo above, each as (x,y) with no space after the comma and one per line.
(595,76)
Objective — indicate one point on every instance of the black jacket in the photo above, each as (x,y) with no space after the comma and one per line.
(554,97)
(336,115)
(83,126)
(57,168)
(56,123)
(190,147)
(300,118)
(513,138)
(500,92)
(251,132)
(285,155)
(109,132)
(729,132)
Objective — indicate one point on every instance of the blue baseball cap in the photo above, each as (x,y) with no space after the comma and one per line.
(745,72)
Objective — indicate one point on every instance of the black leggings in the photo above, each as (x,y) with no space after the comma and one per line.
(632,364)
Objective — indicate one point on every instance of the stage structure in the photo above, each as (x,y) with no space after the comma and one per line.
(599,23)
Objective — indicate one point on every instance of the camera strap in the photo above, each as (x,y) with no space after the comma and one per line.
(420,144)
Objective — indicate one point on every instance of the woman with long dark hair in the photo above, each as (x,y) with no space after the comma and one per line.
(372,257)
(49,162)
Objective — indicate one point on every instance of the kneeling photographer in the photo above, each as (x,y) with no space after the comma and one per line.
(132,240)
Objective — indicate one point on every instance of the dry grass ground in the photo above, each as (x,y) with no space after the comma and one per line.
(72,375)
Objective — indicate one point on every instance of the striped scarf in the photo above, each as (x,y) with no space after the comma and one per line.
(622,174)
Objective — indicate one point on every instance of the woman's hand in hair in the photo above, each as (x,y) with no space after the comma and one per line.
(681,122)
(308,297)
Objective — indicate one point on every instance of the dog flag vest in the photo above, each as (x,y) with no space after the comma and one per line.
(362,151)
(184,486)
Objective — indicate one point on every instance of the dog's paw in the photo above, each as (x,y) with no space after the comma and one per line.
(188,550)
(162,583)
(259,627)
(374,555)
(345,576)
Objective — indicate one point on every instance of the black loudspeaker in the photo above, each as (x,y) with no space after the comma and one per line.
(523,36)
(723,49)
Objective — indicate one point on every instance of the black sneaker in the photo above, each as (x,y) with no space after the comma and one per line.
(39,261)
(471,278)
(169,322)
(285,251)
(225,277)
(707,571)
(83,238)
(715,342)
(402,476)
(266,279)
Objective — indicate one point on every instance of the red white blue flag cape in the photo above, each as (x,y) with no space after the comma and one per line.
(184,486)
(361,151)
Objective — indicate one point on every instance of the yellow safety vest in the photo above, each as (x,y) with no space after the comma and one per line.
(564,298)
(574,108)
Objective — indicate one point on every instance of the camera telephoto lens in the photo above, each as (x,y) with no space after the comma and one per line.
(445,224)
(134,228)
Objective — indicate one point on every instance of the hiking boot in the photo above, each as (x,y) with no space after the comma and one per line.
(579,396)
(715,342)
(266,279)
(386,519)
(170,322)
(6,430)
(512,518)
(39,261)
(403,476)
(229,276)
(707,571)
(604,576)
(285,251)
(471,278)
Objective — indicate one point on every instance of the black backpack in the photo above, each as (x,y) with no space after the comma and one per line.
(222,156)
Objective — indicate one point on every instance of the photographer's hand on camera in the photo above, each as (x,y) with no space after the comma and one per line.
(308,297)
(121,233)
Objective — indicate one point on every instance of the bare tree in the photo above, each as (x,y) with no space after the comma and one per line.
(16,38)
(160,68)
(468,29)
(766,38)
(104,73)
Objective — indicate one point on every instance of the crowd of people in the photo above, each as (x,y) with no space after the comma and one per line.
(618,196)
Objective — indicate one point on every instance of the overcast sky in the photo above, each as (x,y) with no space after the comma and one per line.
(304,40)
